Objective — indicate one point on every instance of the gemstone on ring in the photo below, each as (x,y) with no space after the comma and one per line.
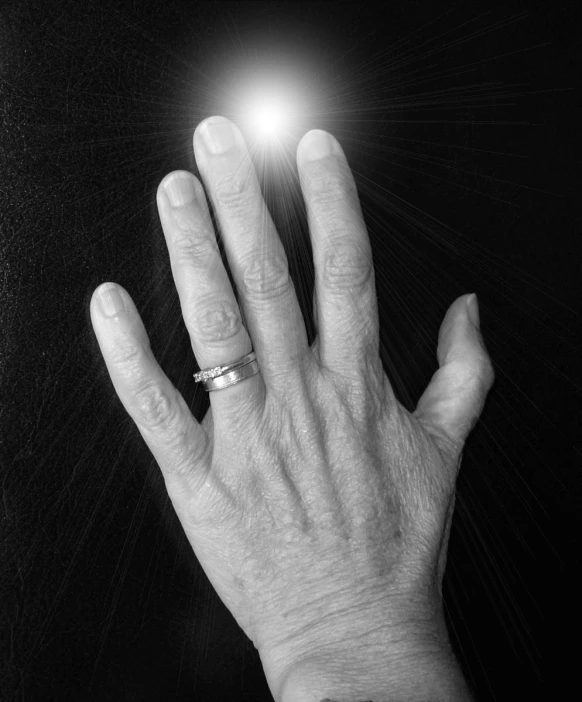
(211,373)
(207,374)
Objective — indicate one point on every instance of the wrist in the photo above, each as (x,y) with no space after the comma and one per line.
(409,664)
(438,679)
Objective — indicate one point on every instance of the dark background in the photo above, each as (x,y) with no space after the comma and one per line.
(460,121)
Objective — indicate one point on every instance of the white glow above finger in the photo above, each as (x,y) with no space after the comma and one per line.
(272,79)
(267,117)
(268,114)
(272,105)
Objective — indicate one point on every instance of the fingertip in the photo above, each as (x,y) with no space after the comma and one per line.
(100,290)
(472,307)
(110,300)
(317,144)
(458,336)
(216,135)
(173,176)
(213,119)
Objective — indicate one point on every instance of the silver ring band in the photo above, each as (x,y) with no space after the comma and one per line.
(208,373)
(232,377)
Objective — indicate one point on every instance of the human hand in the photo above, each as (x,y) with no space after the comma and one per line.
(318,506)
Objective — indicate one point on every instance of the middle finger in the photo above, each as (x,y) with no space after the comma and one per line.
(255,252)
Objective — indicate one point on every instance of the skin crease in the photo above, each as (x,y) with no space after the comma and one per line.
(345,560)
(318,506)
(356,513)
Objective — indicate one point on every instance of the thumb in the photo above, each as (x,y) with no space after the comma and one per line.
(450,406)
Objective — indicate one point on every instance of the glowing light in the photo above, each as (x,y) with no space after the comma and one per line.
(271,103)
(267,117)
(268,114)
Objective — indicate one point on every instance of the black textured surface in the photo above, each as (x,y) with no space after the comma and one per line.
(101,597)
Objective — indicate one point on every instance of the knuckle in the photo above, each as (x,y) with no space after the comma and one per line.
(267,277)
(346,266)
(127,352)
(233,191)
(154,406)
(193,247)
(480,377)
(487,374)
(333,198)
(218,320)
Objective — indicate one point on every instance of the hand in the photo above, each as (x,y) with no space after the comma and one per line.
(317,505)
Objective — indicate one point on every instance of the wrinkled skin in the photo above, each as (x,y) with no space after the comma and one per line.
(320,527)
(318,506)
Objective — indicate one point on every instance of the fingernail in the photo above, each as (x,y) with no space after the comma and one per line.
(218,135)
(319,144)
(180,190)
(473,309)
(110,300)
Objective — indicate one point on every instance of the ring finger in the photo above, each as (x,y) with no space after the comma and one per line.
(209,307)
